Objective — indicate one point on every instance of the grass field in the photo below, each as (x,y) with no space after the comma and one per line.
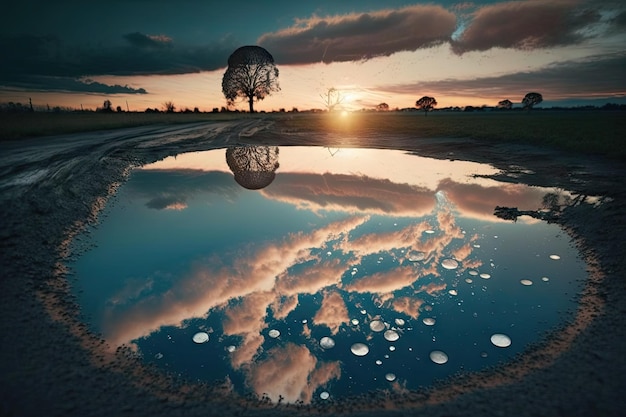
(589,131)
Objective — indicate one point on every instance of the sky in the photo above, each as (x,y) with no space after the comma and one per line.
(139,54)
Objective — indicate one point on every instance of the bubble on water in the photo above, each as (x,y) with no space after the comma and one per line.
(485,275)
(304,321)
(324,395)
(392,348)
(469,280)
(377,325)
(501,340)
(273,333)
(429,321)
(473,272)
(359,349)
(438,357)
(555,257)
(379,362)
(158,356)
(526,282)
(416,256)
(355,322)
(399,322)
(231,348)
(430,232)
(327,342)
(390,377)
(545,279)
(453,292)
(477,246)
(329,253)
(450,263)
(391,335)
(364,312)
(201,337)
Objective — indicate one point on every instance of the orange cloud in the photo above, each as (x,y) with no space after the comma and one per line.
(291,373)
(407,305)
(311,279)
(333,312)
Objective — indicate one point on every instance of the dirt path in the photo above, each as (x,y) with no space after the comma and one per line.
(49,187)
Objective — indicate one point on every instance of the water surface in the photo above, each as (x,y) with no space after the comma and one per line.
(309,273)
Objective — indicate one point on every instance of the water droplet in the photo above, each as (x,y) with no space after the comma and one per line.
(438,357)
(469,280)
(363,312)
(472,272)
(377,325)
(327,342)
(450,264)
(526,282)
(430,232)
(158,356)
(485,276)
(555,257)
(390,377)
(324,395)
(399,322)
(453,292)
(201,337)
(231,348)
(359,349)
(501,340)
(273,333)
(329,253)
(355,322)
(391,335)
(545,279)
(379,362)
(429,321)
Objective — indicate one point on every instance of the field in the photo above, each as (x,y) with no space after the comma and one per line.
(588,131)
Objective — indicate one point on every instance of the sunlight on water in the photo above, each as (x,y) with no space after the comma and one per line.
(302,274)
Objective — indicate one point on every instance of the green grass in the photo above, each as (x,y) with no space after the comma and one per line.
(587,132)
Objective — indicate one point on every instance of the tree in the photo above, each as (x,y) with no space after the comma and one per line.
(426,103)
(505,104)
(382,107)
(169,106)
(531,99)
(251,74)
(332,98)
(107,106)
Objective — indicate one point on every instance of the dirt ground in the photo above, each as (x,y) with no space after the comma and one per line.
(50,365)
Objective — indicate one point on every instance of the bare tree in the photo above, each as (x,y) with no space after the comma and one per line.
(531,99)
(426,103)
(382,107)
(505,104)
(169,107)
(251,74)
(332,98)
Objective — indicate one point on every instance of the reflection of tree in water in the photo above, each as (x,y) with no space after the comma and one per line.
(552,206)
(254,167)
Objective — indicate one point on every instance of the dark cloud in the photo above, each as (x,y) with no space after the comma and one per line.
(599,76)
(148,41)
(526,25)
(360,36)
(43,83)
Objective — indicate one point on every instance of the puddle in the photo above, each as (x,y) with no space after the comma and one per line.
(309,274)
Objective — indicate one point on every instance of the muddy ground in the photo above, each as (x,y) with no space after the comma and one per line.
(49,365)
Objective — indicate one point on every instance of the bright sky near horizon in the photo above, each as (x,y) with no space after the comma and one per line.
(141,54)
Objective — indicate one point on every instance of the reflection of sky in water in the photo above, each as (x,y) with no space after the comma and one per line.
(337,244)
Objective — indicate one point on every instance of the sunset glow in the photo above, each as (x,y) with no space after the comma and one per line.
(461,53)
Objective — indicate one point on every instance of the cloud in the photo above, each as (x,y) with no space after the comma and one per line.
(597,76)
(148,41)
(385,282)
(342,192)
(73,85)
(357,36)
(333,312)
(526,25)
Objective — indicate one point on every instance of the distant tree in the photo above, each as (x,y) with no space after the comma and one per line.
(169,107)
(251,74)
(119,109)
(382,107)
(107,106)
(531,99)
(332,98)
(196,110)
(426,103)
(505,104)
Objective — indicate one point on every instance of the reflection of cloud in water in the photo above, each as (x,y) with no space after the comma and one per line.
(290,372)
(341,192)
(333,312)
(384,282)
